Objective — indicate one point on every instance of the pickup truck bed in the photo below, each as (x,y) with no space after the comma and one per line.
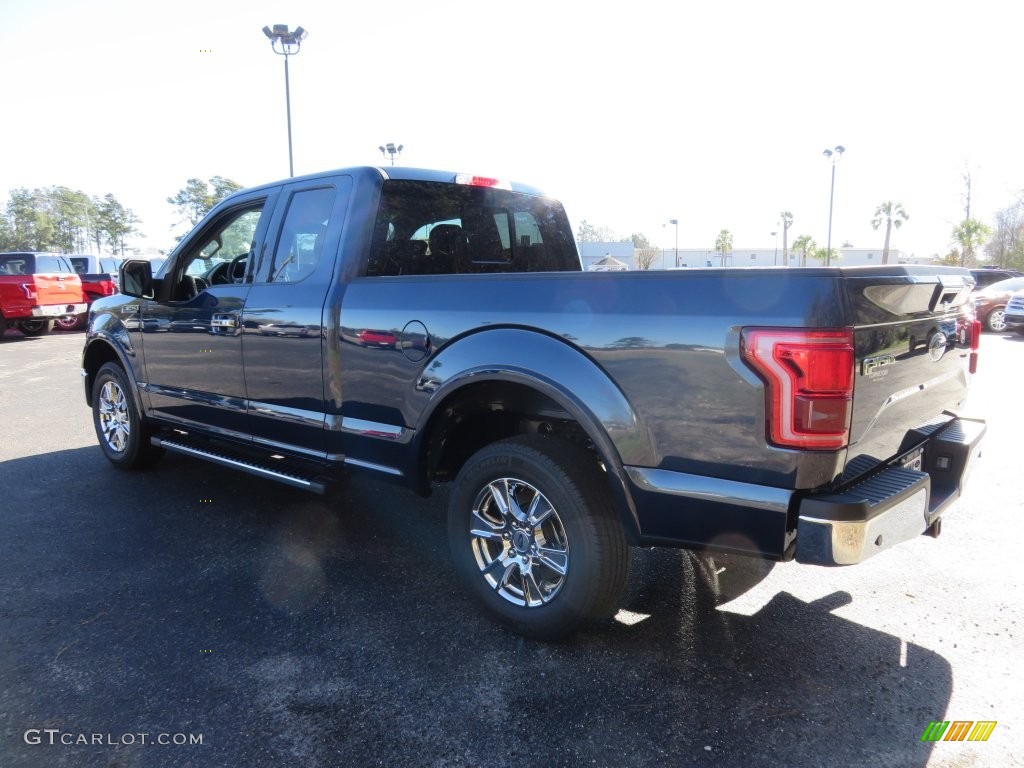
(435,328)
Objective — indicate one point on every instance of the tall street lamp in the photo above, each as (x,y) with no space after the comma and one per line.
(775,261)
(391,149)
(834,156)
(286,43)
(676,223)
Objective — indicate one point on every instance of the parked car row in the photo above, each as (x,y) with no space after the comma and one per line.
(53,290)
(990,301)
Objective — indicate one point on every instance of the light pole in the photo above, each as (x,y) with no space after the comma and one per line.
(391,149)
(286,43)
(676,223)
(775,261)
(834,156)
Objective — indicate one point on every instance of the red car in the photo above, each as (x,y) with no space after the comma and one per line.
(990,303)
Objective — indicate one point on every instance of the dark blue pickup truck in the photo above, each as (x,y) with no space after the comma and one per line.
(436,327)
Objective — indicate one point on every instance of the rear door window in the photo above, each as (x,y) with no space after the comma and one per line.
(300,246)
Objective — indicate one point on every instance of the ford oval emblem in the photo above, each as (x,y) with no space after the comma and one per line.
(937,346)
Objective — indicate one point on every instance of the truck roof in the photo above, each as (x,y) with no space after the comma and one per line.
(389,172)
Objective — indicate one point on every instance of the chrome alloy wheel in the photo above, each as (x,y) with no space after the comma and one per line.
(519,542)
(115,420)
(996,321)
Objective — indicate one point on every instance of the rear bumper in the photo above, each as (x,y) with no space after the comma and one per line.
(59,310)
(892,506)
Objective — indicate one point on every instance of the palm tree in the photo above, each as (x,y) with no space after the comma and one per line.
(803,245)
(822,254)
(787,221)
(969,234)
(893,215)
(723,244)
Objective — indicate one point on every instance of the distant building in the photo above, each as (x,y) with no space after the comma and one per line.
(608,264)
(594,252)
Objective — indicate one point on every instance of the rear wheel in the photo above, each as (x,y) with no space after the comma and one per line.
(70,322)
(35,327)
(122,434)
(534,535)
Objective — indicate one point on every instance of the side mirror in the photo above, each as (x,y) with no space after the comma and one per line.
(136,276)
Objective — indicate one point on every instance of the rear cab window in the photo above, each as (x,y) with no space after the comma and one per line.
(430,228)
(34,263)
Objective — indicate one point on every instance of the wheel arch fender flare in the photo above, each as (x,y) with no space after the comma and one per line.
(554,368)
(102,349)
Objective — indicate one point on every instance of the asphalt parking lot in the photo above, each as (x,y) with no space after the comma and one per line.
(288,629)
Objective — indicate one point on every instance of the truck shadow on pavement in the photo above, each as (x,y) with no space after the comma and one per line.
(291,629)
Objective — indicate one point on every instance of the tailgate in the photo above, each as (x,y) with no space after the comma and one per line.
(912,343)
(56,288)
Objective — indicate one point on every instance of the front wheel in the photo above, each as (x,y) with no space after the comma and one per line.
(122,434)
(534,535)
(35,327)
(995,322)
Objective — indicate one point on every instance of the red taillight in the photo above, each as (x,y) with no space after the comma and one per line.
(30,290)
(972,365)
(809,377)
(975,335)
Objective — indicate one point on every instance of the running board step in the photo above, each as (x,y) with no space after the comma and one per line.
(243,465)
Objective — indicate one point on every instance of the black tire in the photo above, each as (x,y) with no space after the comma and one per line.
(513,569)
(35,327)
(122,433)
(70,322)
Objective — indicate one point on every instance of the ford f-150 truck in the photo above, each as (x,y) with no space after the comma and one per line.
(37,290)
(435,327)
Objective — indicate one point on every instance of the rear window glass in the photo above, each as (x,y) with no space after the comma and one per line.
(429,228)
(1013,284)
(33,263)
(17,264)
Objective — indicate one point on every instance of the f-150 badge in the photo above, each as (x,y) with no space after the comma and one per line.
(871,364)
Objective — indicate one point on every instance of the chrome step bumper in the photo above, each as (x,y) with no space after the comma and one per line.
(892,506)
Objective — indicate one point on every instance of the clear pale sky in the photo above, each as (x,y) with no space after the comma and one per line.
(631,113)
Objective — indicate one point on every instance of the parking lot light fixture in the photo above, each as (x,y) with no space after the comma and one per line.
(676,223)
(286,42)
(391,149)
